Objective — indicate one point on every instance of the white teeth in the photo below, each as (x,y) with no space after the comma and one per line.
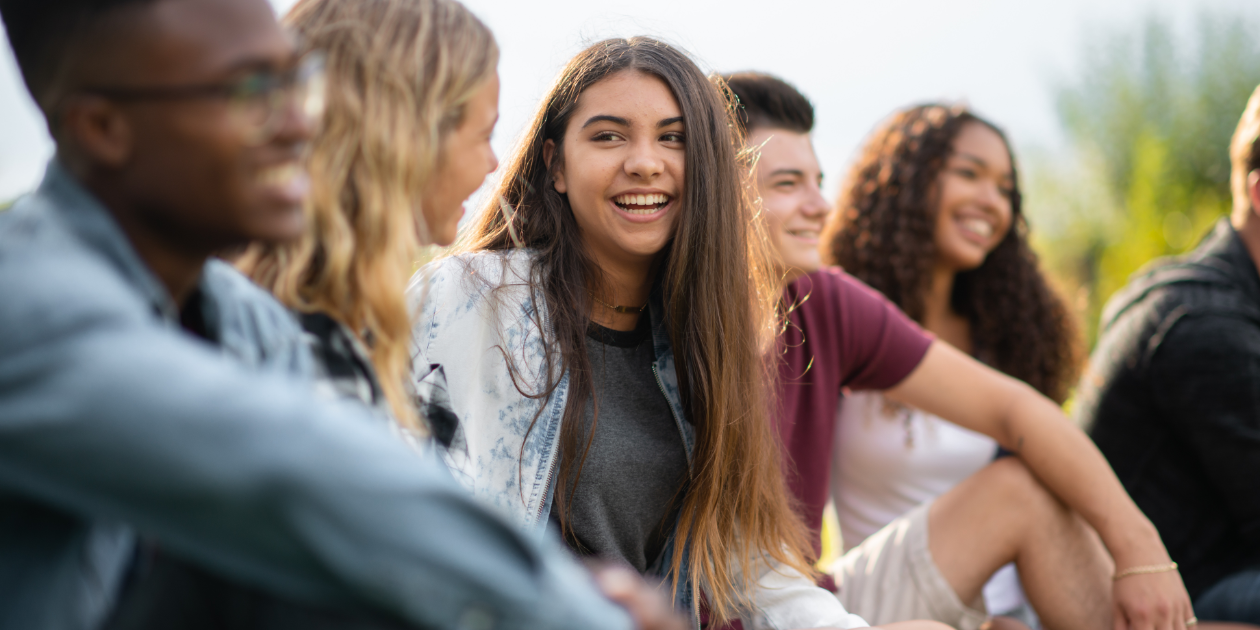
(280,175)
(653,199)
(979,226)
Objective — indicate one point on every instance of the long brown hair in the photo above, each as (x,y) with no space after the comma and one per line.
(883,232)
(400,73)
(719,303)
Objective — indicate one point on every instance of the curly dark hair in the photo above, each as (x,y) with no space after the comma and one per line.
(884,234)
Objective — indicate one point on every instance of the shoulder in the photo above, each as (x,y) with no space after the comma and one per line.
(470,295)
(252,324)
(472,274)
(1203,283)
(52,283)
(1206,337)
(835,294)
(247,300)
(1188,299)
(486,286)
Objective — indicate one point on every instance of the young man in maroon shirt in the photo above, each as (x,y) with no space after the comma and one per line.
(1031,509)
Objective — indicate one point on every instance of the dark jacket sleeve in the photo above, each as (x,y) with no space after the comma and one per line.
(1205,376)
(107,415)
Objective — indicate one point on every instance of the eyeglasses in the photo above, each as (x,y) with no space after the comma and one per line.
(258,102)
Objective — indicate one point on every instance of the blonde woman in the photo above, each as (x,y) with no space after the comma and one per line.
(413,95)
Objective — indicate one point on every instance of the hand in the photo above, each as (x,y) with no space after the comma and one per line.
(1151,601)
(648,606)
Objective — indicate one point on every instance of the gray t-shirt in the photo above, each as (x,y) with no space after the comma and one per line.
(625,501)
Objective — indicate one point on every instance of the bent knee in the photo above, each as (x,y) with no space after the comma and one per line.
(1012,481)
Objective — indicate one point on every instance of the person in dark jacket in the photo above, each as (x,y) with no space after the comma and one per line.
(1172,397)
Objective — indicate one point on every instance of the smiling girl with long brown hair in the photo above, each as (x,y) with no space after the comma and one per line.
(604,329)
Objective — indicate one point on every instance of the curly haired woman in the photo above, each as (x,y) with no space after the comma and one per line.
(932,217)
(1040,509)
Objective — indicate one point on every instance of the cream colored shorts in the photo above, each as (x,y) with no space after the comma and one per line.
(890,577)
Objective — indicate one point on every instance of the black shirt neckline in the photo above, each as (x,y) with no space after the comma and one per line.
(621,338)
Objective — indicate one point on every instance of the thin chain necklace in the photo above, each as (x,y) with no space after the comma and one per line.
(628,310)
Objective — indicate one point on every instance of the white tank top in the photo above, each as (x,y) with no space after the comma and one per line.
(889,459)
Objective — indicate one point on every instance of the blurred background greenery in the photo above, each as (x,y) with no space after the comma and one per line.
(1145,172)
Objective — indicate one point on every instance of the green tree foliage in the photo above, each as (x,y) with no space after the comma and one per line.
(1146,173)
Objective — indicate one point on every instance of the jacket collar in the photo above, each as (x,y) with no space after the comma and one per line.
(666,370)
(85,217)
(1224,250)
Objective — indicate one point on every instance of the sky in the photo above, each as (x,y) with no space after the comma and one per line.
(857,60)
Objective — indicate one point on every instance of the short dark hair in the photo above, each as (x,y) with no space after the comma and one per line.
(768,101)
(41,33)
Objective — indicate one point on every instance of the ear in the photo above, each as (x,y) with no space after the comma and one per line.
(557,177)
(99,128)
(1253,191)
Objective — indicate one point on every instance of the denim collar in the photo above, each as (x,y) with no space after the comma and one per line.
(85,217)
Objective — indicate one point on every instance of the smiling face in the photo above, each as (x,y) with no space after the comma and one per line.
(789,180)
(466,159)
(622,168)
(192,171)
(974,188)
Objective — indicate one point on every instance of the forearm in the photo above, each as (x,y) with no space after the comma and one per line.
(1074,470)
(246,475)
(958,388)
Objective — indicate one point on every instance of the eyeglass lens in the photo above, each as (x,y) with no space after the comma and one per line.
(263,101)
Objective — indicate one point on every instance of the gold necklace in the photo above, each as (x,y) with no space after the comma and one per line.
(627,310)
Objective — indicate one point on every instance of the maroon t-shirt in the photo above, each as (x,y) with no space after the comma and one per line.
(842,334)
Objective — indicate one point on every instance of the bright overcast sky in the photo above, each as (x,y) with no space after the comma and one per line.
(858,60)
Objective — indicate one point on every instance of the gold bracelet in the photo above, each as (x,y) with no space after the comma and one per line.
(1153,568)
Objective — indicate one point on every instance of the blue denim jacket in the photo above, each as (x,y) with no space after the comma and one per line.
(477,317)
(115,423)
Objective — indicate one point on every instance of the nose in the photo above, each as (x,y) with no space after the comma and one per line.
(993,198)
(493,163)
(292,124)
(814,206)
(643,161)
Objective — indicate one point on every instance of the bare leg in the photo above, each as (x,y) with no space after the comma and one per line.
(1003,514)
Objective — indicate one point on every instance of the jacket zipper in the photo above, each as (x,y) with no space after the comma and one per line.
(551,469)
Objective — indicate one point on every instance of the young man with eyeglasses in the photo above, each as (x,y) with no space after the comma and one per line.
(162,463)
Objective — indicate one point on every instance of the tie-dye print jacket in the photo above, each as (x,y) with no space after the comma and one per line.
(479,322)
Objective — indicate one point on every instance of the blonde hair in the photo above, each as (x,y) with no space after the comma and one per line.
(1244,154)
(400,73)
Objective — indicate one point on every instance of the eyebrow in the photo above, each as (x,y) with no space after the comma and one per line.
(787,171)
(977,160)
(617,120)
(972,158)
(257,64)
